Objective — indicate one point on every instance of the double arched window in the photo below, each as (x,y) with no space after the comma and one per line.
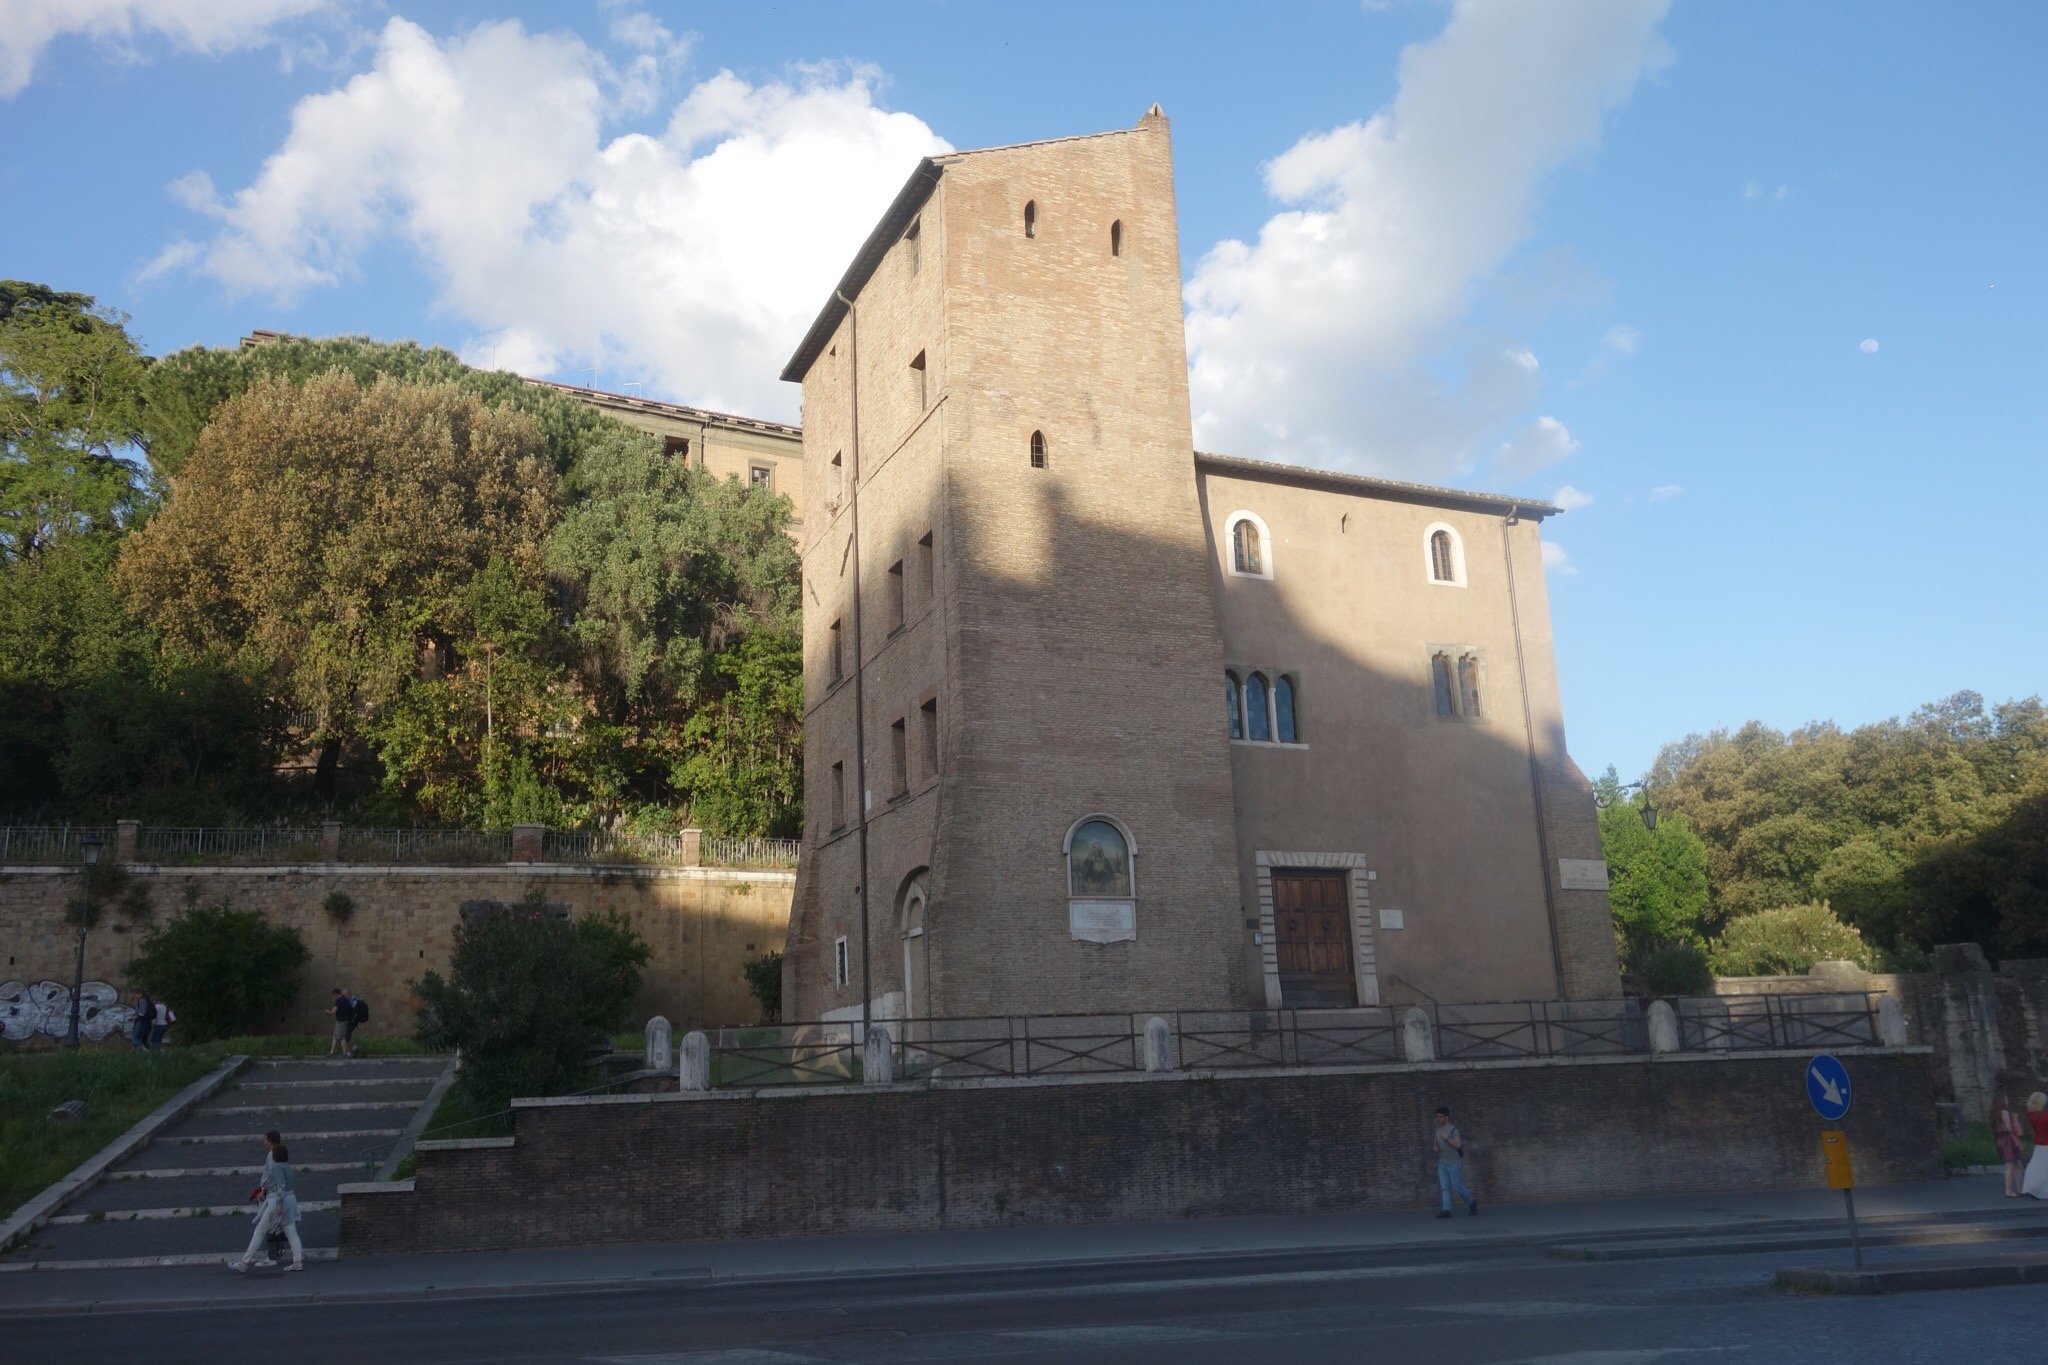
(1260,709)
(1456,685)
(1251,548)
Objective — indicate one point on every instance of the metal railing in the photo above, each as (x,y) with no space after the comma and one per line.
(1017,1046)
(749,852)
(612,846)
(426,845)
(257,844)
(50,843)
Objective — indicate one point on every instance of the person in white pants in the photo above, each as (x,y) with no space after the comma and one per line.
(279,1202)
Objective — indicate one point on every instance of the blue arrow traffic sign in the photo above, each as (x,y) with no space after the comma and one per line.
(1827,1086)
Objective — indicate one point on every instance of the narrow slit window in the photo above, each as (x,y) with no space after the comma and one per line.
(1233,702)
(1116,238)
(896,612)
(1031,218)
(1440,681)
(838,475)
(917,373)
(840,970)
(838,795)
(925,581)
(1038,450)
(836,659)
(928,736)
(1258,719)
(1285,728)
(913,248)
(1468,685)
(899,758)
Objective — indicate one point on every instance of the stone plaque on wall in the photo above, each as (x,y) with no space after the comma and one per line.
(1102,921)
(1582,874)
(1392,919)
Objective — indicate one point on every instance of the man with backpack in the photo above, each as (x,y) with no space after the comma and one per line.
(360,1015)
(344,1011)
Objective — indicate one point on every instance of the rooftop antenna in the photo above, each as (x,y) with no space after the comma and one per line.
(593,376)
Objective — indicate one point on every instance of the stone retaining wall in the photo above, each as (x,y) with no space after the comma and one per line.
(702,924)
(797,1161)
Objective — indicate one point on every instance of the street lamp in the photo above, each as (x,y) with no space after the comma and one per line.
(1647,810)
(89,850)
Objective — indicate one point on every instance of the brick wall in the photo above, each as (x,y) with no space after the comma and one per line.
(702,925)
(819,1160)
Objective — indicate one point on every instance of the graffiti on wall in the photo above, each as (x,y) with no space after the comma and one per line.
(45,1007)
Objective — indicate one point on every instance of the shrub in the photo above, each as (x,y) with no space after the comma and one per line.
(224,971)
(1787,941)
(1673,969)
(339,905)
(527,996)
(764,982)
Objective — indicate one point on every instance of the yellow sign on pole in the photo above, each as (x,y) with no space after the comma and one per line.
(1834,1145)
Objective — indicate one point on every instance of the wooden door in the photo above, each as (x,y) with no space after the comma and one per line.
(1312,935)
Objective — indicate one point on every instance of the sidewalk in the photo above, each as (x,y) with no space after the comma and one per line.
(1397,1234)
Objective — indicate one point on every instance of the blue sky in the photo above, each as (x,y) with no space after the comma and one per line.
(1593,245)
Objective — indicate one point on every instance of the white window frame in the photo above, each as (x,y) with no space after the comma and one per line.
(1457,579)
(1230,545)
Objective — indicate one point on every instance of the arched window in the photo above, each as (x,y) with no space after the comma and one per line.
(1116,238)
(1244,547)
(1038,450)
(1257,719)
(1098,859)
(1468,685)
(1440,681)
(1031,218)
(1443,556)
(1251,546)
(1235,704)
(1285,728)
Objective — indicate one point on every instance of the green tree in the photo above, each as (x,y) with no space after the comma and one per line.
(742,766)
(224,971)
(1786,941)
(331,533)
(1657,879)
(71,404)
(527,996)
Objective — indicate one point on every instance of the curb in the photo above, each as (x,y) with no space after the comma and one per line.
(1913,1279)
(1819,1239)
(38,1210)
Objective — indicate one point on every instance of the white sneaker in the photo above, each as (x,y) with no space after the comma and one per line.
(239,1267)
(295,1265)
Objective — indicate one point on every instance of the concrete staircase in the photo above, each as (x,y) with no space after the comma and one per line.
(184,1199)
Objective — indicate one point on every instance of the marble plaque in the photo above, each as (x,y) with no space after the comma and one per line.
(1393,919)
(1582,874)
(1102,921)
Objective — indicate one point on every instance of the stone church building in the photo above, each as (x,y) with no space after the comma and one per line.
(1098,722)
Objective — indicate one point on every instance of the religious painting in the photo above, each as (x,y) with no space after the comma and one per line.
(1099,861)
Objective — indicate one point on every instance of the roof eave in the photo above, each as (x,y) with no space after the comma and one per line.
(1534,508)
(894,222)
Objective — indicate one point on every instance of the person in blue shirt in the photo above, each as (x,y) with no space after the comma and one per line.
(280,1205)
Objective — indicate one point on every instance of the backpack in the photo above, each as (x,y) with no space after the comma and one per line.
(362,1011)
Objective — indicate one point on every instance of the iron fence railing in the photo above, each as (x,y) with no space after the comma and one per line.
(425,845)
(613,846)
(744,852)
(1749,1022)
(51,843)
(1014,1046)
(256,844)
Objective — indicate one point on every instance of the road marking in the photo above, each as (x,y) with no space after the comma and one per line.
(194,1211)
(1517,1308)
(738,1356)
(1136,1335)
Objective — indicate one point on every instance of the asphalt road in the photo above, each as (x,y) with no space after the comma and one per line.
(1435,1305)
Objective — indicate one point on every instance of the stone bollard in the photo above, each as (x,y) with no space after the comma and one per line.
(528,842)
(330,841)
(127,834)
(1158,1045)
(657,1058)
(694,1073)
(692,850)
(878,1057)
(1418,1036)
(1891,1022)
(1663,1027)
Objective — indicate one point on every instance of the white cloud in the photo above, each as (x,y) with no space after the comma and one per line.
(1556,561)
(691,259)
(1622,339)
(1326,340)
(1539,445)
(1571,499)
(1869,346)
(28,27)
(1664,492)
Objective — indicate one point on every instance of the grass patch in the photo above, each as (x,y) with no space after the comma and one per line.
(1973,1148)
(122,1086)
(454,1117)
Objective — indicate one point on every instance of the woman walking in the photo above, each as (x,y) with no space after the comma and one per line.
(2006,1133)
(2036,1181)
(280,1205)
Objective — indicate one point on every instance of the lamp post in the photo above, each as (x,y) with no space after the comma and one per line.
(89,850)
(1647,810)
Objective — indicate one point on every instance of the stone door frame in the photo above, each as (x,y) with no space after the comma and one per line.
(1358,901)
